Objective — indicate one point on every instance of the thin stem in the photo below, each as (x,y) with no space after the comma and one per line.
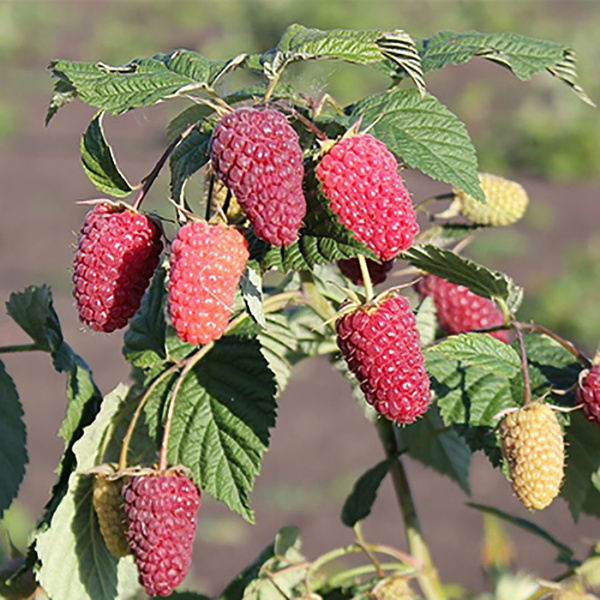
(427,576)
(272,85)
(147,181)
(360,540)
(209,198)
(580,356)
(524,365)
(324,559)
(366,277)
(314,298)
(19,348)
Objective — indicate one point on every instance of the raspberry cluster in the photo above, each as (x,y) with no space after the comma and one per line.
(460,310)
(162,513)
(381,346)
(117,253)
(359,177)
(588,394)
(257,154)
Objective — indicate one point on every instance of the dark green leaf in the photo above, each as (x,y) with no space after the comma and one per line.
(462,271)
(144,340)
(251,287)
(438,447)
(364,493)
(424,134)
(33,311)
(99,163)
(399,48)
(13,441)
(224,410)
(190,116)
(235,590)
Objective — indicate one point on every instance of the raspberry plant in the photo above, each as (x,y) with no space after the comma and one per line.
(292,185)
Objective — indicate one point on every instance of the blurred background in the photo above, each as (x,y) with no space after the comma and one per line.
(538,133)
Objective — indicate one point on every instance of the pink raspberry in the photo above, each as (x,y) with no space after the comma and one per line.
(359,177)
(460,310)
(207,262)
(257,154)
(382,348)
(350,268)
(588,394)
(162,511)
(117,253)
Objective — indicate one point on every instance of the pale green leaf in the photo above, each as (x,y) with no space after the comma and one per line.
(99,163)
(424,134)
(252,293)
(426,321)
(13,441)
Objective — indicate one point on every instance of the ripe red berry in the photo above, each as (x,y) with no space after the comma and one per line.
(257,154)
(350,268)
(460,310)
(588,394)
(206,265)
(162,511)
(382,348)
(117,254)
(359,177)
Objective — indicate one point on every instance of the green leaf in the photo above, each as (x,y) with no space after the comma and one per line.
(189,156)
(583,465)
(424,134)
(99,163)
(34,312)
(288,543)
(524,56)
(358,504)
(142,82)
(462,271)
(481,351)
(565,553)
(75,562)
(251,287)
(13,441)
(192,115)
(442,449)
(144,340)
(427,321)
(223,413)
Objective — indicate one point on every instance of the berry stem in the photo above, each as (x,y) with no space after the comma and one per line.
(524,365)
(580,356)
(272,85)
(360,540)
(148,181)
(19,348)
(427,576)
(314,298)
(366,277)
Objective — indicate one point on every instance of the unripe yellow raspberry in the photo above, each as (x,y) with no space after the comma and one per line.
(395,587)
(506,202)
(534,449)
(109,506)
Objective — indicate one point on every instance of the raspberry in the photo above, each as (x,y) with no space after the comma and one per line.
(534,450)
(257,154)
(350,268)
(206,265)
(459,309)
(381,346)
(117,254)
(109,507)
(162,513)
(588,394)
(359,177)
(506,202)
(395,587)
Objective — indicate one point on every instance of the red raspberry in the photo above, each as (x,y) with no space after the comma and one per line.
(350,268)
(257,155)
(382,348)
(588,394)
(117,254)
(162,511)
(206,265)
(359,177)
(459,309)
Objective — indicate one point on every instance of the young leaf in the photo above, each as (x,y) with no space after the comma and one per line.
(13,441)
(424,134)
(251,286)
(34,312)
(358,504)
(462,271)
(223,413)
(524,56)
(441,449)
(426,321)
(144,340)
(99,163)
(75,562)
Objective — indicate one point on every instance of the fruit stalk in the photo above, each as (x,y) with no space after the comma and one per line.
(524,366)
(366,277)
(427,575)
(19,348)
